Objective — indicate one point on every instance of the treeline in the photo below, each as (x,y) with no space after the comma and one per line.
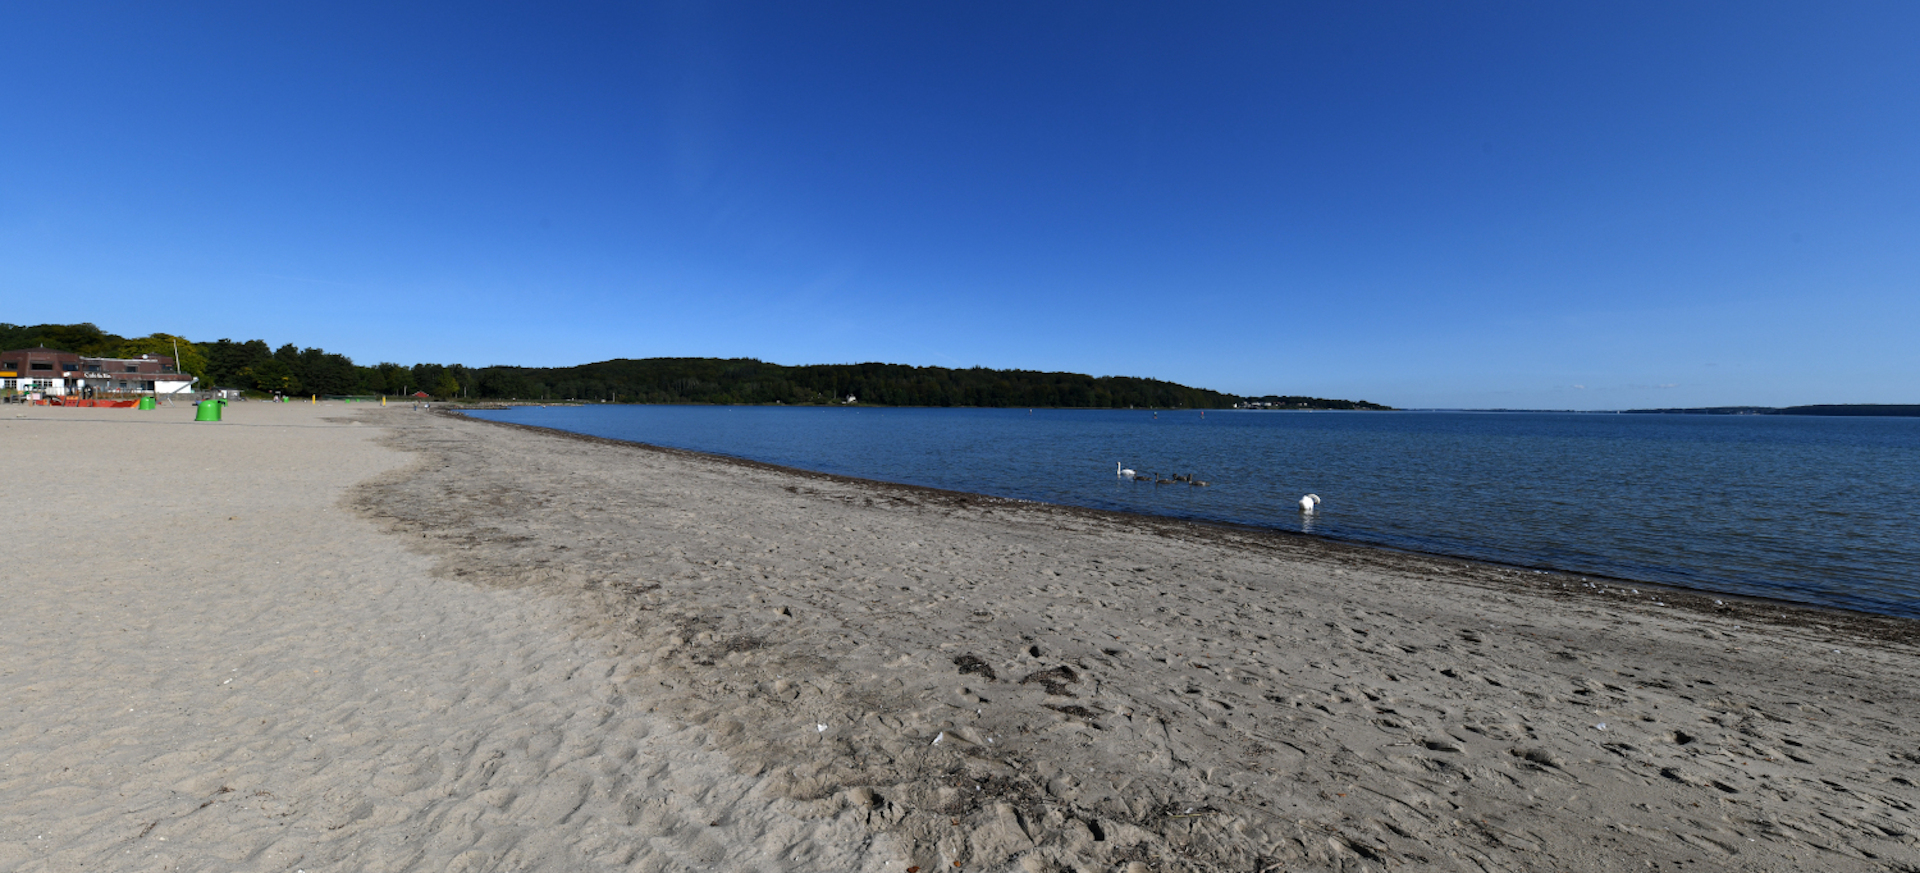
(251,366)
(254,366)
(749,381)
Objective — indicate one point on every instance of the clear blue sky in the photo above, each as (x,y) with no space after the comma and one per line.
(1555,205)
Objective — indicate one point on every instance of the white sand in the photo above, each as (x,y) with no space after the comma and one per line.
(568,654)
(210,664)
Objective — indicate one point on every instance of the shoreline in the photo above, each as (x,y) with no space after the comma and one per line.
(1889,627)
(363,638)
(1025,686)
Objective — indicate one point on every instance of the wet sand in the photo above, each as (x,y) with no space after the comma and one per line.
(549,652)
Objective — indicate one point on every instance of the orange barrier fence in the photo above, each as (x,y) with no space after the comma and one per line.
(69,401)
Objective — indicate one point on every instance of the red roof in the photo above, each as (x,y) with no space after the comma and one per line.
(421,394)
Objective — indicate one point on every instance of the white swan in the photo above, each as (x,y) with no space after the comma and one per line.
(1122,471)
(1308,503)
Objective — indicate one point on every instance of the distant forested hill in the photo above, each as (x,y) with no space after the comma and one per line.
(289,369)
(745,380)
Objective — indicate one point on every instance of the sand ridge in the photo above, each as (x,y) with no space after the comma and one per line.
(1000,685)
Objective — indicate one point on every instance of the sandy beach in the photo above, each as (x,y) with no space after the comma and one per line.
(355,638)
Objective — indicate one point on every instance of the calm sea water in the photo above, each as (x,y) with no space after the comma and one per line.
(1815,510)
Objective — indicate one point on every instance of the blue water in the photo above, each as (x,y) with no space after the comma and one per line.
(1809,509)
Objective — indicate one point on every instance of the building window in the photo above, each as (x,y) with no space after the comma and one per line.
(133,368)
(39,365)
(93,368)
(11,384)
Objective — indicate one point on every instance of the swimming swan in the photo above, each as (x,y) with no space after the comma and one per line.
(1120,470)
(1308,503)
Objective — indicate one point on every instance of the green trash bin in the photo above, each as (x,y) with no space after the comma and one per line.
(208,410)
(147,403)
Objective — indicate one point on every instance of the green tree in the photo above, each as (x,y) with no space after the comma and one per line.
(447,386)
(425,376)
(272,374)
(81,339)
(191,360)
(227,360)
(394,378)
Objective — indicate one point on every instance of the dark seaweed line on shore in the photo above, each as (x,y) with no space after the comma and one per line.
(1814,619)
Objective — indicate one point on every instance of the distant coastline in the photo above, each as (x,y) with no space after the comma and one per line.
(1896,410)
(1882,410)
